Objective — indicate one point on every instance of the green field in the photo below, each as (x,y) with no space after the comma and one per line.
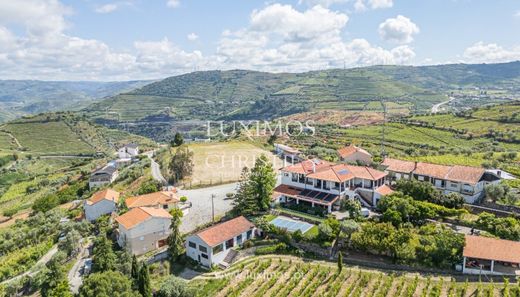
(283,276)
(51,138)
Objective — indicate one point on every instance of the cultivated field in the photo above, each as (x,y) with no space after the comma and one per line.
(223,162)
(283,276)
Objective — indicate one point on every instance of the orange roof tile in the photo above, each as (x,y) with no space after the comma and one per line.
(486,248)
(224,231)
(152,199)
(335,172)
(433,170)
(465,174)
(384,190)
(136,216)
(107,194)
(399,165)
(351,149)
(308,166)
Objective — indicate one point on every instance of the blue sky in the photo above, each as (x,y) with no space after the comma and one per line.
(138,39)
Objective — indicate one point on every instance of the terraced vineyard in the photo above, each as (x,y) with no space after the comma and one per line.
(283,276)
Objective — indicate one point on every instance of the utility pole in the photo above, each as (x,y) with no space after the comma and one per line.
(212,208)
(383,152)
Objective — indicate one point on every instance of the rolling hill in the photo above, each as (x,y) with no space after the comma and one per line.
(242,94)
(24,97)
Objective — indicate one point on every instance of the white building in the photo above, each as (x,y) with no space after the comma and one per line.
(143,229)
(101,203)
(490,256)
(465,180)
(354,154)
(214,245)
(321,183)
(103,176)
(287,153)
(130,150)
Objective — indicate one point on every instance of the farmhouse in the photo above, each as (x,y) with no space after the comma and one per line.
(163,199)
(465,180)
(143,229)
(214,245)
(354,154)
(103,176)
(101,203)
(287,153)
(130,150)
(484,255)
(321,183)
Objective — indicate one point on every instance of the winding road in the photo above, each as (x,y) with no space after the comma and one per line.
(436,108)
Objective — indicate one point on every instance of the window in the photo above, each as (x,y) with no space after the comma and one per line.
(204,256)
(217,249)
(141,238)
(294,177)
(192,245)
(248,234)
(203,249)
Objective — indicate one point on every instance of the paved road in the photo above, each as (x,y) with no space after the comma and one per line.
(74,276)
(31,272)
(156,169)
(436,107)
(200,213)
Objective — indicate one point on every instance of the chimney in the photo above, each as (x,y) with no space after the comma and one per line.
(313,166)
(415,166)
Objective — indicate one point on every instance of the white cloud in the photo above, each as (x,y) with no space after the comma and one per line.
(192,36)
(173,3)
(517,14)
(399,30)
(107,8)
(280,38)
(481,52)
(324,3)
(362,5)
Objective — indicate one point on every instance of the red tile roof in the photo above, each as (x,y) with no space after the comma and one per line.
(107,194)
(399,165)
(334,172)
(351,149)
(457,173)
(219,233)
(486,248)
(136,216)
(152,199)
(384,190)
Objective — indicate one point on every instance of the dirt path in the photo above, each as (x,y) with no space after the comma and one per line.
(8,222)
(436,107)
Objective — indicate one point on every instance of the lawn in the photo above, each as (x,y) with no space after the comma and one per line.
(289,276)
(223,162)
(48,138)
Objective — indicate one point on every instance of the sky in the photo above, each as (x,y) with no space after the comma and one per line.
(110,40)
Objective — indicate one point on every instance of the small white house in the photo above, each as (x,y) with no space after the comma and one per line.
(130,150)
(103,176)
(143,229)
(354,154)
(101,203)
(214,245)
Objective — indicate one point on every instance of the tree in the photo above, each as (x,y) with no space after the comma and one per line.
(104,258)
(271,139)
(150,186)
(53,275)
(143,283)
(340,262)
(496,192)
(256,187)
(181,164)
(108,283)
(70,243)
(135,271)
(61,290)
(174,287)
(348,227)
(178,140)
(175,240)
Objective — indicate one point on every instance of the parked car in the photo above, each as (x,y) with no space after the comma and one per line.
(87,266)
(365,212)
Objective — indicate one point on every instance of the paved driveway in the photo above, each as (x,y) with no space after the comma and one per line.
(200,212)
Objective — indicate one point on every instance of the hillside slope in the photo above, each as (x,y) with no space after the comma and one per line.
(24,97)
(242,94)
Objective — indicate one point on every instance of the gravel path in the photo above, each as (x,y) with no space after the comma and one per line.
(200,213)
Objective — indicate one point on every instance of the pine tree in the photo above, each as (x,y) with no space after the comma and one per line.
(144,281)
(244,203)
(135,271)
(175,240)
(262,182)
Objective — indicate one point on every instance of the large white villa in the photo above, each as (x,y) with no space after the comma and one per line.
(324,184)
